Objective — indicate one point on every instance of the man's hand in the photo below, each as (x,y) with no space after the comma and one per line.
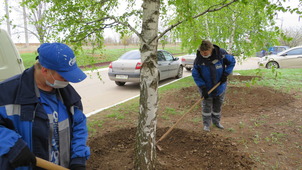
(204,92)
(25,158)
(224,78)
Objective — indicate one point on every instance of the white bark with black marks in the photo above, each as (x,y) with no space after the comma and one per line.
(146,131)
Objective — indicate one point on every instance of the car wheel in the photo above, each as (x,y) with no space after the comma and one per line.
(119,83)
(271,64)
(188,69)
(180,72)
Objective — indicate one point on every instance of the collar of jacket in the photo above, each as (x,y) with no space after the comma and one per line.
(216,55)
(27,93)
(26,89)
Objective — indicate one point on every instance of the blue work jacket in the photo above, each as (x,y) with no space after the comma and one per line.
(208,72)
(24,122)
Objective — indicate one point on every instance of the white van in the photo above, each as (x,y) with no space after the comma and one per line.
(10,60)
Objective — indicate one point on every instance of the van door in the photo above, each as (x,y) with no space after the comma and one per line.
(10,61)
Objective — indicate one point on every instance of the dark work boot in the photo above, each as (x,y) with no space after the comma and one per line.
(216,120)
(219,126)
(206,128)
(207,120)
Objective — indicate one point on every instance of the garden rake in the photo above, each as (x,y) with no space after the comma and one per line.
(191,108)
(48,165)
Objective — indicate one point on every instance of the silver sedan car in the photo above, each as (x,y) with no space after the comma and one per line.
(188,60)
(290,58)
(127,67)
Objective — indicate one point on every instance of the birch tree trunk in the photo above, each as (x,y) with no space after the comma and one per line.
(207,29)
(8,18)
(25,26)
(146,130)
(232,36)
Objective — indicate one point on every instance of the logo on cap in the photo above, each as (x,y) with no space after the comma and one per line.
(72,61)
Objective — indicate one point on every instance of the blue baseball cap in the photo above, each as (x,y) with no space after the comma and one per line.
(59,57)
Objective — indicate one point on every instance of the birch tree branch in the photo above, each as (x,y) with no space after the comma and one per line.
(210,9)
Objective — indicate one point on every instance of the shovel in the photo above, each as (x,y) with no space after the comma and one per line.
(191,108)
(48,165)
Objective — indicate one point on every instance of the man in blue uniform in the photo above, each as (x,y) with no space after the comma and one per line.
(41,113)
(211,66)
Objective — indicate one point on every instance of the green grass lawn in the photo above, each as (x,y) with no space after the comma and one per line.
(282,79)
(28,59)
(110,53)
(286,79)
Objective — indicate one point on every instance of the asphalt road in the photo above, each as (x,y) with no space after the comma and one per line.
(98,95)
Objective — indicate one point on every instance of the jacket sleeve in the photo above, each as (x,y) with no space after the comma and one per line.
(80,152)
(11,142)
(8,137)
(229,62)
(197,76)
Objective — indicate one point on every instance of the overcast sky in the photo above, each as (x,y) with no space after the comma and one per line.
(284,20)
(287,20)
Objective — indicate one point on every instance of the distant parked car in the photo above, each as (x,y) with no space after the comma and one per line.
(277,49)
(188,60)
(127,67)
(291,58)
(271,50)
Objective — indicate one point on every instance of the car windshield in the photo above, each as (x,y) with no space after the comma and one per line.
(131,55)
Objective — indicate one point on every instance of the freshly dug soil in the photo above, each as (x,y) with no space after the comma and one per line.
(263,130)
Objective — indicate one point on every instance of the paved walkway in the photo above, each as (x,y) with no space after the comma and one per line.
(249,63)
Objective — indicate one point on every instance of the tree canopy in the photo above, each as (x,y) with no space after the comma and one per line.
(244,26)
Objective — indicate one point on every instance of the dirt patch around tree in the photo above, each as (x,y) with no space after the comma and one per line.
(263,130)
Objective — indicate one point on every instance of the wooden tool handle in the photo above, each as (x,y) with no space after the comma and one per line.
(171,128)
(48,165)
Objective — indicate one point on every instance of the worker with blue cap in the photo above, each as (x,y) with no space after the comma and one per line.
(41,114)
